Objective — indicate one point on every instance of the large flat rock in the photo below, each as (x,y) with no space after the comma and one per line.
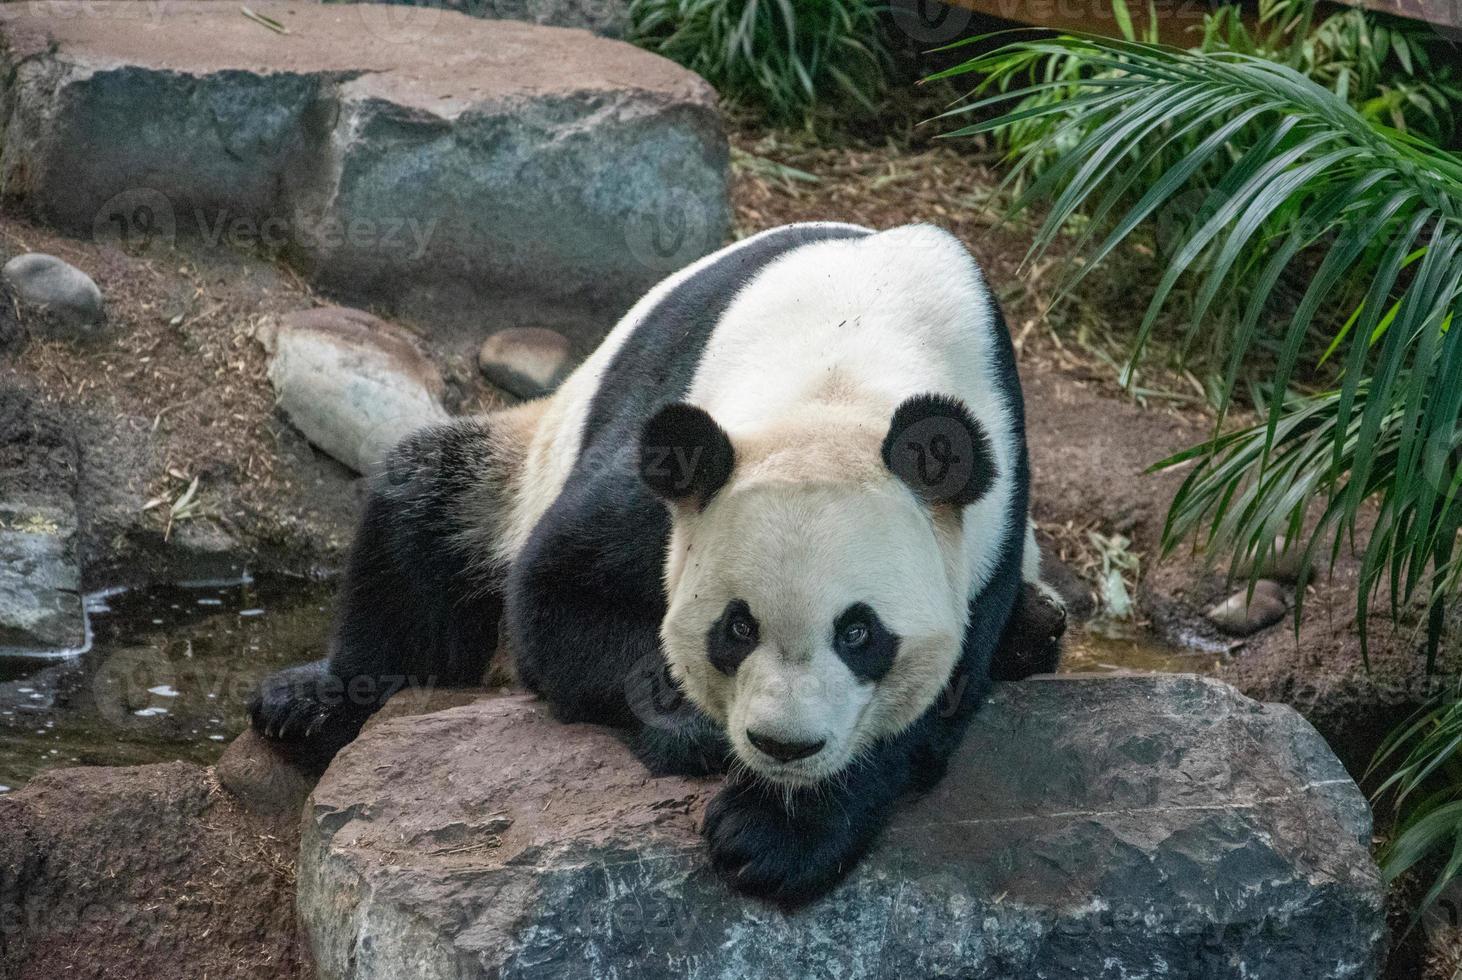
(608,17)
(492,171)
(1115,827)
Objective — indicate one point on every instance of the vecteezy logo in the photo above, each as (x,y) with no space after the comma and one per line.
(134,682)
(929,21)
(1179,218)
(1443,918)
(936,456)
(669,232)
(138,218)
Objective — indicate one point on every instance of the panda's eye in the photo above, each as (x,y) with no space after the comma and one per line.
(741,628)
(862,641)
(732,637)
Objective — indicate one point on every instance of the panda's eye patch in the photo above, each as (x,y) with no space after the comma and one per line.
(863,643)
(732,637)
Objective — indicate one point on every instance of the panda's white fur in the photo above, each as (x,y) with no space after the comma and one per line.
(553,445)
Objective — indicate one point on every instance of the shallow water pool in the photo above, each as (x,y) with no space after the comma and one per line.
(1111,648)
(167,676)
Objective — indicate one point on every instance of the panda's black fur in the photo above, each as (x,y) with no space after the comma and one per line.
(582,603)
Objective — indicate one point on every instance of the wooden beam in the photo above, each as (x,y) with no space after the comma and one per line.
(1179,20)
(1442,13)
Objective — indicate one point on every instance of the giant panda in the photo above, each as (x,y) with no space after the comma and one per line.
(776,525)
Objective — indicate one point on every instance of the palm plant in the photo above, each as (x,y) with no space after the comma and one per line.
(780,56)
(1288,182)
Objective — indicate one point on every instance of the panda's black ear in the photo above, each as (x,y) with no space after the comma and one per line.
(940,450)
(685,456)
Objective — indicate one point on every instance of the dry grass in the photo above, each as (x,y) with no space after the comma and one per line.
(177,359)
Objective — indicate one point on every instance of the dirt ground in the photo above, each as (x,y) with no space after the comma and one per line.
(202,890)
(176,392)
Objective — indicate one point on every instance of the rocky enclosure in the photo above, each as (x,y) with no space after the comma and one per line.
(489,173)
(1125,826)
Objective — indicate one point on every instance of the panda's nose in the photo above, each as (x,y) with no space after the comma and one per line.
(784,751)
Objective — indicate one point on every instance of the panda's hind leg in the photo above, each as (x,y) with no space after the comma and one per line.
(421,599)
(1031,642)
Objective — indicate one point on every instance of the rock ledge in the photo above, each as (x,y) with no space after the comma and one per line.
(1146,826)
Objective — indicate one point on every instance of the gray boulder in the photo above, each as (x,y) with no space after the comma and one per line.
(40,580)
(526,361)
(59,300)
(1136,826)
(484,173)
(354,384)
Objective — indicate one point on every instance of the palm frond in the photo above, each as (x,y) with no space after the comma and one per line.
(1293,182)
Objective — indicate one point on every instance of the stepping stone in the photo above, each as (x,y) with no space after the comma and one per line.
(485,172)
(1239,615)
(526,361)
(1134,826)
(354,384)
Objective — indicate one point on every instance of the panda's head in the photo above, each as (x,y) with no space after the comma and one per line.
(817,584)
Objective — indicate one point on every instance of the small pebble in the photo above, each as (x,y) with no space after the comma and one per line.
(1239,616)
(527,361)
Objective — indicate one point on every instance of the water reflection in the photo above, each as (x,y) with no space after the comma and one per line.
(167,675)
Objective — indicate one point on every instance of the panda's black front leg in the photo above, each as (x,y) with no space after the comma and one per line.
(674,737)
(791,846)
(419,606)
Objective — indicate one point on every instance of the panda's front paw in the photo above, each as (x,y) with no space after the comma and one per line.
(306,710)
(762,849)
(1031,643)
(695,750)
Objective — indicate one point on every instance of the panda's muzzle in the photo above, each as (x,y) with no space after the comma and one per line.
(784,751)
